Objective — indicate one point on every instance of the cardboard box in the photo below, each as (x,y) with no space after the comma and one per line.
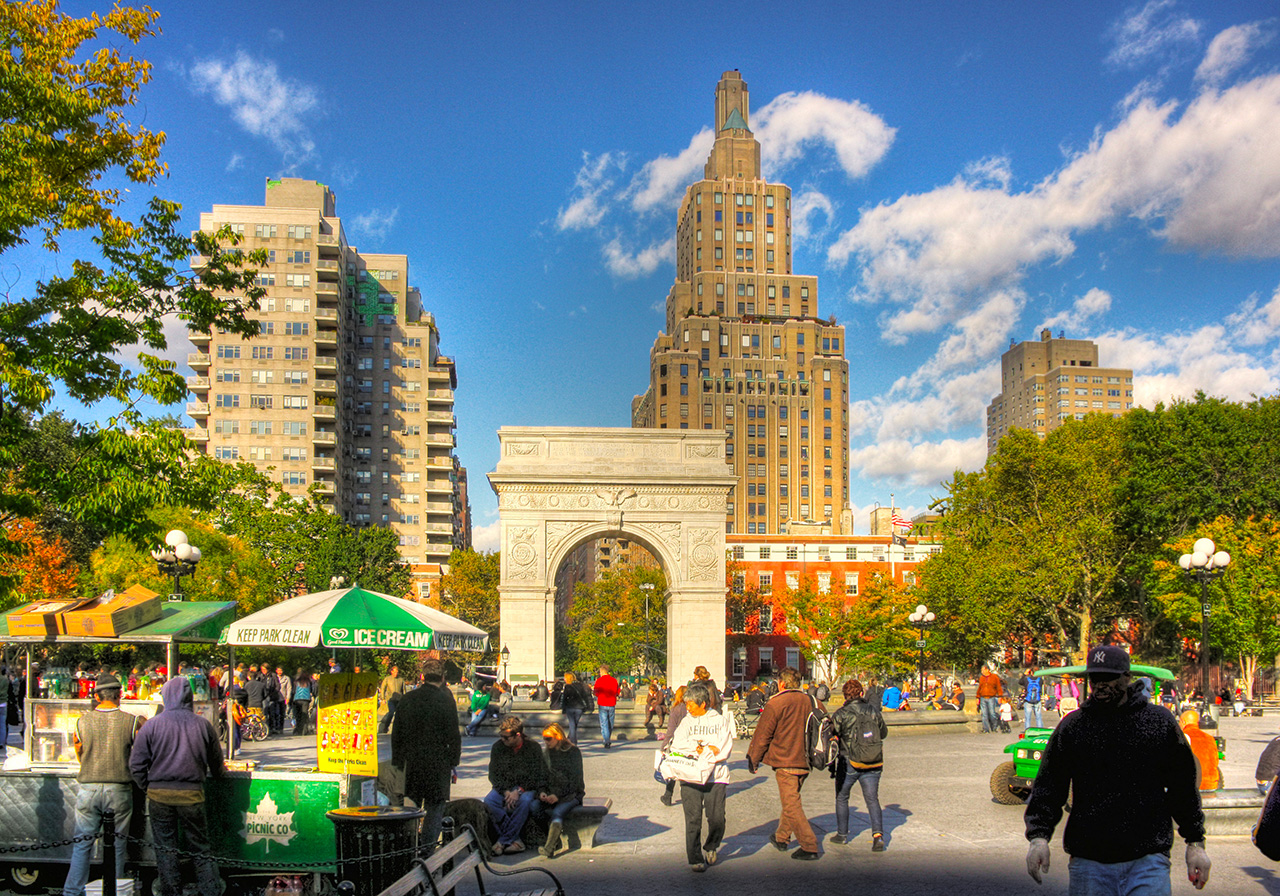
(40,619)
(110,615)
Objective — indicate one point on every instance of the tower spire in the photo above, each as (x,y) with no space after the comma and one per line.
(736,152)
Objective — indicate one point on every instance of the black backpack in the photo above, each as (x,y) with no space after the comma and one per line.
(864,742)
(820,739)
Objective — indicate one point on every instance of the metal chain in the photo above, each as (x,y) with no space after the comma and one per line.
(52,844)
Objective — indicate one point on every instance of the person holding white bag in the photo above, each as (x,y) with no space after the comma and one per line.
(698,755)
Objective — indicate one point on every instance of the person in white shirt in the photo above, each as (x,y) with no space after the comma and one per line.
(708,735)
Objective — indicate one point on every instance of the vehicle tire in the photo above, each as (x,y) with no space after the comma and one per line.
(1002,790)
(258,730)
(37,877)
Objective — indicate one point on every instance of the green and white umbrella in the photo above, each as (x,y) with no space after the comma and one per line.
(354,617)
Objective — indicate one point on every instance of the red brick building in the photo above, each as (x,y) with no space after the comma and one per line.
(765,564)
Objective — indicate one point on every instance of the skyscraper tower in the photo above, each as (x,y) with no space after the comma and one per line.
(744,349)
(344,390)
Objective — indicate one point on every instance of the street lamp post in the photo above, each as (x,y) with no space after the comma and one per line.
(647,588)
(177,558)
(922,618)
(506,655)
(1204,564)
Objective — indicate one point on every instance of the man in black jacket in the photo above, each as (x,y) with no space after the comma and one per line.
(427,743)
(518,774)
(1129,769)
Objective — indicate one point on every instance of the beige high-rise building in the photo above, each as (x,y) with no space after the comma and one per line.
(1044,383)
(345,388)
(744,348)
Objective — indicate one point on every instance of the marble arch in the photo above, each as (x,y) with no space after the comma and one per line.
(558,487)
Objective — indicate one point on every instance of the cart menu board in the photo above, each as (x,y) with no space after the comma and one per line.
(348,723)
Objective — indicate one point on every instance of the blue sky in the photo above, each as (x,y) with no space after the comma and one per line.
(963,174)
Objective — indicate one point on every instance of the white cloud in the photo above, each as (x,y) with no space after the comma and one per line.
(487,538)
(804,208)
(1090,305)
(661,182)
(376,223)
(1208,180)
(622,262)
(1230,49)
(1256,325)
(794,122)
(589,204)
(1148,33)
(261,101)
(235,162)
(922,464)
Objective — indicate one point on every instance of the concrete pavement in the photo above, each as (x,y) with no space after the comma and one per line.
(942,828)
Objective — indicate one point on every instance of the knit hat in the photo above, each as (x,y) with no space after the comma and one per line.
(1107,659)
(107,682)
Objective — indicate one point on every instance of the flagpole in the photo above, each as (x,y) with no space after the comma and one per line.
(893,576)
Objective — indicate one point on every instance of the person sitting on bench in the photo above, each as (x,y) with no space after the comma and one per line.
(518,774)
(566,787)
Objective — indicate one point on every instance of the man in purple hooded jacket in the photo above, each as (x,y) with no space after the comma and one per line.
(173,754)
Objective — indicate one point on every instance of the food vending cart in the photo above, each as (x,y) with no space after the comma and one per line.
(263,821)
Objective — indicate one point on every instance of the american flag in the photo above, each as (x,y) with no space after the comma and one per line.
(898,520)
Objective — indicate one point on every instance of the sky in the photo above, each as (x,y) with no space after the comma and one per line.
(963,175)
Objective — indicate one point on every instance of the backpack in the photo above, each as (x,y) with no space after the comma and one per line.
(864,745)
(820,740)
(1033,689)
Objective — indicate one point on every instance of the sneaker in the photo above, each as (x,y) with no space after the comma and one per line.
(779,845)
(710,855)
(666,798)
(840,838)
(877,843)
(805,855)
(700,867)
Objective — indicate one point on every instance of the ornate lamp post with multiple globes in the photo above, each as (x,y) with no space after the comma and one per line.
(1205,563)
(177,558)
(922,618)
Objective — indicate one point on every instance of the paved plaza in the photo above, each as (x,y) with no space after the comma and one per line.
(944,832)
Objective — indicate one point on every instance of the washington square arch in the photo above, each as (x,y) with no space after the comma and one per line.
(559,487)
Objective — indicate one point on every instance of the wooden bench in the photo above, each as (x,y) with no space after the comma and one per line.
(447,868)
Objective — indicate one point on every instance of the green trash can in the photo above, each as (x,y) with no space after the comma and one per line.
(376,845)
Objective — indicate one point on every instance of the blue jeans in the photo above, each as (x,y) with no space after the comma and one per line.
(572,719)
(477,718)
(606,723)
(90,804)
(1029,710)
(870,780)
(1147,876)
(990,707)
(558,811)
(171,825)
(509,824)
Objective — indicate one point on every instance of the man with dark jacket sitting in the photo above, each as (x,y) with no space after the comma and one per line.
(518,775)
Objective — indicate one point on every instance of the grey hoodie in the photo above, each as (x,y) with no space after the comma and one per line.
(177,749)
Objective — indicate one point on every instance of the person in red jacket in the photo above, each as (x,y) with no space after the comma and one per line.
(606,690)
(990,690)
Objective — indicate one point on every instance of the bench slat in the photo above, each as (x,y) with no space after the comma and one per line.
(412,882)
(464,867)
(462,841)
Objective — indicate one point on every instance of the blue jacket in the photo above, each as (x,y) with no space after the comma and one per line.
(177,749)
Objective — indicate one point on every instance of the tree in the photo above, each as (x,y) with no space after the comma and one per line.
(608,623)
(64,131)
(469,591)
(1244,620)
(41,567)
(1035,536)
(369,557)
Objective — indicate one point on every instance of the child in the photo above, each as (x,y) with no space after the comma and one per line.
(1006,714)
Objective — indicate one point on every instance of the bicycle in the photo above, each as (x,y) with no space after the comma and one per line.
(254,726)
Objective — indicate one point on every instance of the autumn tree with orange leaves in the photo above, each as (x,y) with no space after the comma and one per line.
(36,566)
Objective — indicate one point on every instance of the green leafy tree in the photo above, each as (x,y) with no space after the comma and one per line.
(608,623)
(469,591)
(1244,621)
(63,132)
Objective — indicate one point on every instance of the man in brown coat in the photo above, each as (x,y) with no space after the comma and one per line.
(779,742)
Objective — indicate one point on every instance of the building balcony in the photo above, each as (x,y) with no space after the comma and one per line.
(438,487)
(328,290)
(324,438)
(198,383)
(437,528)
(439,507)
(326,363)
(199,338)
(323,463)
(435,373)
(438,438)
(197,409)
(441,417)
(326,337)
(325,486)
(328,244)
(324,412)
(198,360)
(198,434)
(440,461)
(328,269)
(327,317)
(326,387)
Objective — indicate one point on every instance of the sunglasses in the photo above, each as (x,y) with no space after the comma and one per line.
(512,735)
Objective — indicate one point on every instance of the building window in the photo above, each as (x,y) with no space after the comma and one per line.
(851,582)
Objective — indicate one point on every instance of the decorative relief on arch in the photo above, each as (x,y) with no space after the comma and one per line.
(704,559)
(558,532)
(522,449)
(697,451)
(587,497)
(522,552)
(669,535)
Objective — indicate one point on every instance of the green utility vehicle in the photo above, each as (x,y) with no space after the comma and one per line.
(1011,781)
